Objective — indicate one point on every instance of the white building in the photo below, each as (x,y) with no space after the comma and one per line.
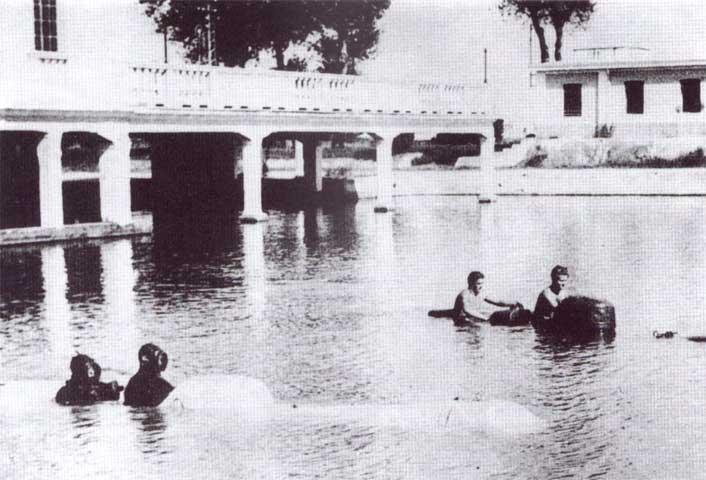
(620,91)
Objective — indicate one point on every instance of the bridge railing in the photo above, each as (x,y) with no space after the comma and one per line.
(218,88)
(51,82)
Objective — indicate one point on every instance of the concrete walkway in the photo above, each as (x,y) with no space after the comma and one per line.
(594,181)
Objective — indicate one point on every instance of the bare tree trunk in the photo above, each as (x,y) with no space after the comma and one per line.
(537,26)
(279,56)
(559,29)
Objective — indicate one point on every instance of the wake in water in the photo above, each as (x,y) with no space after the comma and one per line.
(248,401)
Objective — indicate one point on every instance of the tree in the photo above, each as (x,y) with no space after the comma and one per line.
(349,32)
(544,12)
(344,31)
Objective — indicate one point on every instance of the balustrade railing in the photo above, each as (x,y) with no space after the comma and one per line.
(57,83)
(219,88)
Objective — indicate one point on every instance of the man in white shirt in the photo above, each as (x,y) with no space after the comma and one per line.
(473,305)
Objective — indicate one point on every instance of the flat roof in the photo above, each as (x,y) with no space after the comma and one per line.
(619,65)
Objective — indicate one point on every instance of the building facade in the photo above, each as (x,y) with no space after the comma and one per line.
(620,92)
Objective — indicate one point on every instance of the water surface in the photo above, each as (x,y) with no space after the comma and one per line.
(328,308)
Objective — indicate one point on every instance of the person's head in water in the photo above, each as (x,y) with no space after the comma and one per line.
(475,282)
(152,358)
(560,276)
(147,388)
(84,369)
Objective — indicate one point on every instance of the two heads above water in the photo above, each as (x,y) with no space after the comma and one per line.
(145,388)
(559,276)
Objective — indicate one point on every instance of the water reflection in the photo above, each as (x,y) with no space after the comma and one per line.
(118,282)
(311,228)
(56,307)
(586,410)
(152,425)
(254,273)
(84,419)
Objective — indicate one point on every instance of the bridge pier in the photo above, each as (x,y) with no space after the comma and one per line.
(487,172)
(313,169)
(51,199)
(114,168)
(252,177)
(298,158)
(383,153)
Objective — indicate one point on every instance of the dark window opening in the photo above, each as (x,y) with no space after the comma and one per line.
(45,25)
(691,95)
(635,96)
(572,100)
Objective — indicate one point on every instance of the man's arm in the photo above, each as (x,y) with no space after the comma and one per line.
(500,303)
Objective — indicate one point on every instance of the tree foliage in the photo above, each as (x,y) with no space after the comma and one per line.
(341,32)
(556,13)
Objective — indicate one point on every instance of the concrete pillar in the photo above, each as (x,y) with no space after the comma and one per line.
(313,170)
(114,168)
(51,199)
(487,171)
(298,158)
(384,168)
(252,178)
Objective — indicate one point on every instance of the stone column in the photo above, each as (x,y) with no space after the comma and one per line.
(252,178)
(114,168)
(313,171)
(384,168)
(487,171)
(298,158)
(51,199)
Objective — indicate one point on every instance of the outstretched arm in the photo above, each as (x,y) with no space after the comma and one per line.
(500,303)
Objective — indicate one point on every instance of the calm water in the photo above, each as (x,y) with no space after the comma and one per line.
(328,308)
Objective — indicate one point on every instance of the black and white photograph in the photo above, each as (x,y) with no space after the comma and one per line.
(352,239)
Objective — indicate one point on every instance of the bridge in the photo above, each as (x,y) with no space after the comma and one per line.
(202,111)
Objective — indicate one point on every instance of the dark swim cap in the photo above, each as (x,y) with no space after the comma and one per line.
(80,366)
(153,356)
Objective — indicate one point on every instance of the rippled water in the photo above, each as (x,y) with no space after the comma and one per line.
(328,308)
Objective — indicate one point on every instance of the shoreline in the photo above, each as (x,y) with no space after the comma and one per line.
(600,181)
(510,182)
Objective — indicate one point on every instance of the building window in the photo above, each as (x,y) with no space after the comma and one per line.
(45,25)
(691,95)
(572,100)
(635,96)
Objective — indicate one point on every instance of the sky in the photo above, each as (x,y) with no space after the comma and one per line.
(443,40)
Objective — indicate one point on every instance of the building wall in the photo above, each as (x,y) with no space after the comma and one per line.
(553,106)
(662,116)
(89,32)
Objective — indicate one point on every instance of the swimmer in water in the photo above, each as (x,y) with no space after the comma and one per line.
(472,304)
(84,387)
(147,388)
(553,295)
